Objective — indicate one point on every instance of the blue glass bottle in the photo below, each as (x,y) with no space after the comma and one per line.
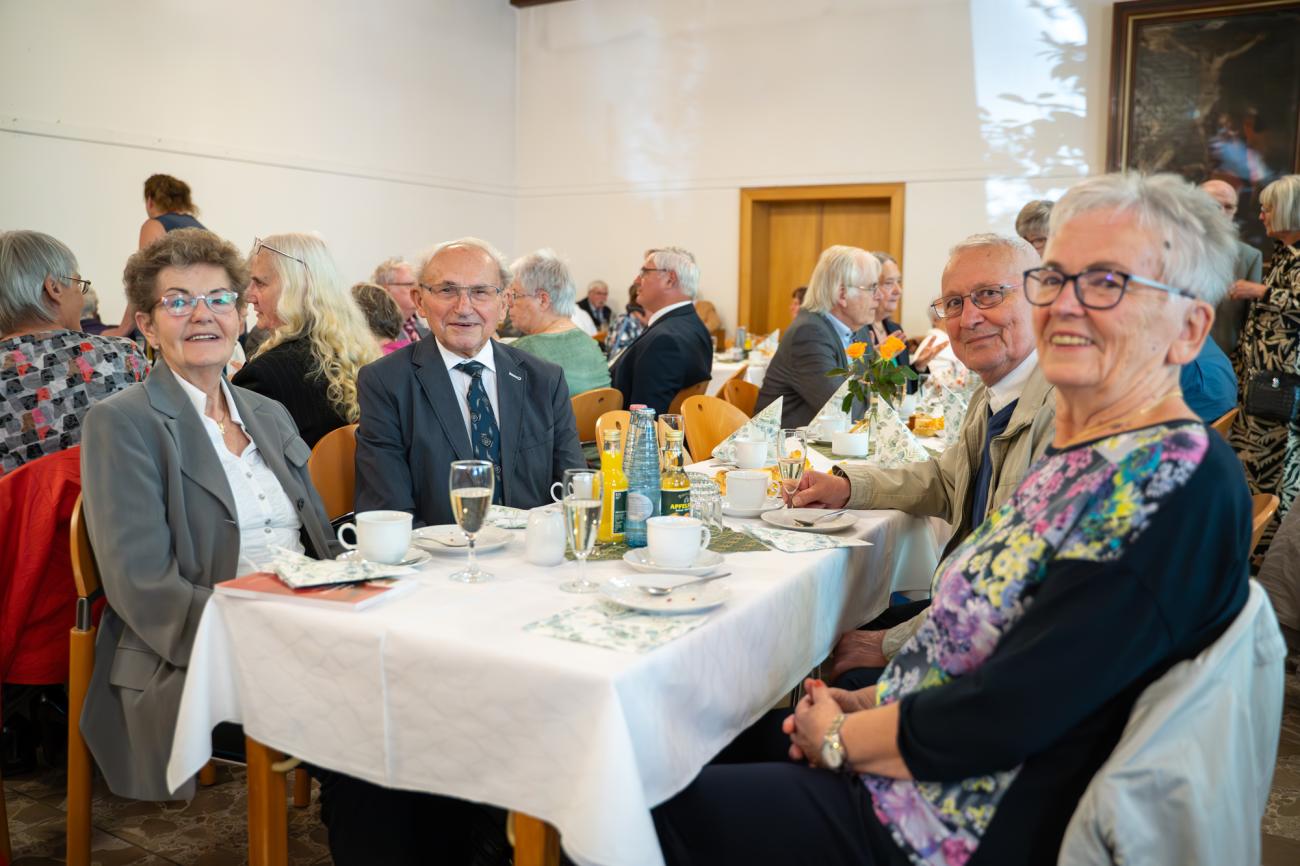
(641,466)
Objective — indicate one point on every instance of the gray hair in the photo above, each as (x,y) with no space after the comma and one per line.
(1034,218)
(1198,240)
(26,259)
(1282,196)
(385,270)
(544,271)
(839,266)
(884,257)
(1017,246)
(90,304)
(594,283)
(681,263)
(503,272)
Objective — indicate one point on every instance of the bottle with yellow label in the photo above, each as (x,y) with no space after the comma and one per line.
(613,512)
(675,487)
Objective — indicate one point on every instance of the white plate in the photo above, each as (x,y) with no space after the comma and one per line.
(414,556)
(706,563)
(785,519)
(448,538)
(736,511)
(692,599)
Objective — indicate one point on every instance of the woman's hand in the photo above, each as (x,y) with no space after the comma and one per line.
(820,490)
(854,701)
(1248,291)
(926,351)
(858,649)
(811,719)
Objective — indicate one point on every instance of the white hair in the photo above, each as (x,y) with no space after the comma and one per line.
(544,271)
(26,259)
(1282,196)
(1017,248)
(503,272)
(840,266)
(387,268)
(681,263)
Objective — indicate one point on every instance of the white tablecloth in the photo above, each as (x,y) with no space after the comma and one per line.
(724,370)
(442,690)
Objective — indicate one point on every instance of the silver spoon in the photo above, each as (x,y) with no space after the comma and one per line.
(818,520)
(665,590)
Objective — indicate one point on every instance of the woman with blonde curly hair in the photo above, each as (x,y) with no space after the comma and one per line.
(319,337)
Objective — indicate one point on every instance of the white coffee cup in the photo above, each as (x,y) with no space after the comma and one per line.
(382,536)
(830,426)
(750,453)
(544,538)
(675,542)
(747,488)
(578,482)
(847,444)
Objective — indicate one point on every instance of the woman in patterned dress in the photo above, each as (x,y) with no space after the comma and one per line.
(984,731)
(1270,341)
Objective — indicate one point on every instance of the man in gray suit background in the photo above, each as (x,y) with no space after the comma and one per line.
(1231,314)
(459,395)
(841,301)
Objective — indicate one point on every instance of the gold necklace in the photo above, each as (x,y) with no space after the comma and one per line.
(1091,432)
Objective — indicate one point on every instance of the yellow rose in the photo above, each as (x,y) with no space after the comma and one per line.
(856,350)
(891,347)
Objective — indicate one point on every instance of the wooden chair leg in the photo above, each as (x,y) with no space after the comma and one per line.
(301,788)
(268,817)
(536,842)
(208,775)
(81,662)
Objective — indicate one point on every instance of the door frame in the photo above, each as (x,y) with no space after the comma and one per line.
(753,216)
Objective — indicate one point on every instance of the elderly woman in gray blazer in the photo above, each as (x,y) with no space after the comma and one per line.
(187,482)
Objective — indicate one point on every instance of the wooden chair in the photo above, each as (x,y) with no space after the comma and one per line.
(600,336)
(1265,506)
(1223,424)
(615,419)
(333,470)
(675,407)
(709,421)
(590,405)
(741,394)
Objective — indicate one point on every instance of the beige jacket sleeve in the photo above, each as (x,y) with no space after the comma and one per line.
(926,489)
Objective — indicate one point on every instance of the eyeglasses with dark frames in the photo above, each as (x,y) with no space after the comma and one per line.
(221,302)
(983,297)
(259,245)
(450,292)
(1095,288)
(83,285)
(645,271)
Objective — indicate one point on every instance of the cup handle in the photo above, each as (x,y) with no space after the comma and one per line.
(349,545)
(557,496)
(706,537)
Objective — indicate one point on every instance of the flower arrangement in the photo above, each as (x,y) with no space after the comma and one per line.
(874,371)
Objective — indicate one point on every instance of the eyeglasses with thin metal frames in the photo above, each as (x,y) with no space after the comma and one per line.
(259,245)
(450,292)
(219,303)
(992,296)
(83,285)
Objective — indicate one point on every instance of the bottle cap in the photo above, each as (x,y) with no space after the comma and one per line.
(611,435)
(635,406)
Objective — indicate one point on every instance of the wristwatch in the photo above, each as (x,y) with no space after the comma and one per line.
(833,754)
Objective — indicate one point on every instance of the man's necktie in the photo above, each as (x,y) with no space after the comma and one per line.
(484,435)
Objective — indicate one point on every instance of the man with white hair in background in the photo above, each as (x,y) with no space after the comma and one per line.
(675,351)
(398,279)
(1231,313)
(596,304)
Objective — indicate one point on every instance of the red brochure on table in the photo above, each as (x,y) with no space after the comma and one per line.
(355,596)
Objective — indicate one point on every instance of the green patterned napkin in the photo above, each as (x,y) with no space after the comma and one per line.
(613,626)
(790,541)
(726,541)
(765,426)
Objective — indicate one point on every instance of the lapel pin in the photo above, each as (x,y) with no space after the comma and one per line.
(515,375)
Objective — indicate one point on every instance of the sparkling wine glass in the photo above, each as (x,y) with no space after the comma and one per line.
(582,504)
(791,451)
(471,486)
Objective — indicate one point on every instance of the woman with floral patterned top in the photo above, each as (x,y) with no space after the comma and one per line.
(51,373)
(986,728)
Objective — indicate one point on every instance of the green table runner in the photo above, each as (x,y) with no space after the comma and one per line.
(726,541)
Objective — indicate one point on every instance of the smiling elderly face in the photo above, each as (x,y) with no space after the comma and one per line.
(462,326)
(199,344)
(994,341)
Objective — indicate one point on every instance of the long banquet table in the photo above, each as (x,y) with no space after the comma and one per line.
(443,690)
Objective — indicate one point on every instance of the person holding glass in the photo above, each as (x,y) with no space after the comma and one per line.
(187,481)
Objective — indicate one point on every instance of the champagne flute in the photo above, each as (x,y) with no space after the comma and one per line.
(471,497)
(582,505)
(791,451)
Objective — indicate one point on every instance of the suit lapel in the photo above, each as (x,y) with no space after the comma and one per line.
(199,461)
(512,386)
(434,380)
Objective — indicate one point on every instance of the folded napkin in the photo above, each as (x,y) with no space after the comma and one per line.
(615,627)
(505,517)
(790,541)
(766,425)
(300,572)
(769,343)
(941,402)
(892,444)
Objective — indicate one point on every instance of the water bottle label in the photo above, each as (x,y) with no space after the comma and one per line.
(675,503)
(619,521)
(639,507)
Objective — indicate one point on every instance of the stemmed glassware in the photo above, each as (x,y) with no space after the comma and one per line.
(472,482)
(582,504)
(791,451)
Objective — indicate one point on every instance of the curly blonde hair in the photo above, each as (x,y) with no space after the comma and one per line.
(316,306)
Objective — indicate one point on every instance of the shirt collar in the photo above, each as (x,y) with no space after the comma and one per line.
(200,400)
(842,330)
(485,356)
(659,314)
(1009,388)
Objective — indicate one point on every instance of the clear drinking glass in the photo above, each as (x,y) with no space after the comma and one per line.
(791,451)
(706,501)
(472,482)
(582,503)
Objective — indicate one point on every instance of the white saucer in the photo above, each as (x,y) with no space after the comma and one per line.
(785,519)
(692,599)
(414,556)
(447,538)
(706,563)
(736,511)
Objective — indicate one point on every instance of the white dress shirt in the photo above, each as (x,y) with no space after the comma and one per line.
(660,313)
(1010,386)
(583,320)
(267,519)
(460,380)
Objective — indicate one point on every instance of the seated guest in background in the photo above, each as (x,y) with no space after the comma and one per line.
(397,276)
(90,321)
(1009,425)
(675,351)
(383,316)
(840,304)
(580,320)
(796,301)
(627,326)
(541,298)
(416,403)
(1209,383)
(1032,222)
(50,372)
(985,730)
(319,337)
(188,481)
(888,294)
(1249,268)
(596,304)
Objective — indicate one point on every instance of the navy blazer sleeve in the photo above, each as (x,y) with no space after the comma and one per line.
(383,473)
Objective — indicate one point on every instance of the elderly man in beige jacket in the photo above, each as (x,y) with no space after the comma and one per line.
(1008,426)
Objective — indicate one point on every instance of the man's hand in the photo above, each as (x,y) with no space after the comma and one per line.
(1248,291)
(858,649)
(820,490)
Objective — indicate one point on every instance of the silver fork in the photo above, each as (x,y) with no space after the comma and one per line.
(819,519)
(665,590)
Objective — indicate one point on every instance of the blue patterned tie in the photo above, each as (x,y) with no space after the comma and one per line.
(484,435)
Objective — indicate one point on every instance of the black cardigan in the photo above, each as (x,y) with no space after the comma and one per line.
(288,373)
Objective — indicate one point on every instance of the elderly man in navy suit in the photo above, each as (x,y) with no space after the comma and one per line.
(461,396)
(675,351)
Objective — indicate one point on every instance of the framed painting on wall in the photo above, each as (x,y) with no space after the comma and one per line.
(1208,89)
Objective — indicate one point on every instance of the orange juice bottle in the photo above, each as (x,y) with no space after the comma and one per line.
(613,510)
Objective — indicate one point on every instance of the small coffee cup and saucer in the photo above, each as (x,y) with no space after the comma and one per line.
(675,545)
(747,491)
(383,537)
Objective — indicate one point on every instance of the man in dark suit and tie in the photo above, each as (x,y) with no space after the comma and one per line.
(596,304)
(461,396)
(675,351)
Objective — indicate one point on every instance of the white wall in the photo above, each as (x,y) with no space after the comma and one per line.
(640,120)
(384,126)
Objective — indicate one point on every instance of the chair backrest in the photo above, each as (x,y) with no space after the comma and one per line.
(85,573)
(675,407)
(709,421)
(1265,506)
(615,419)
(1223,424)
(333,470)
(590,405)
(741,394)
